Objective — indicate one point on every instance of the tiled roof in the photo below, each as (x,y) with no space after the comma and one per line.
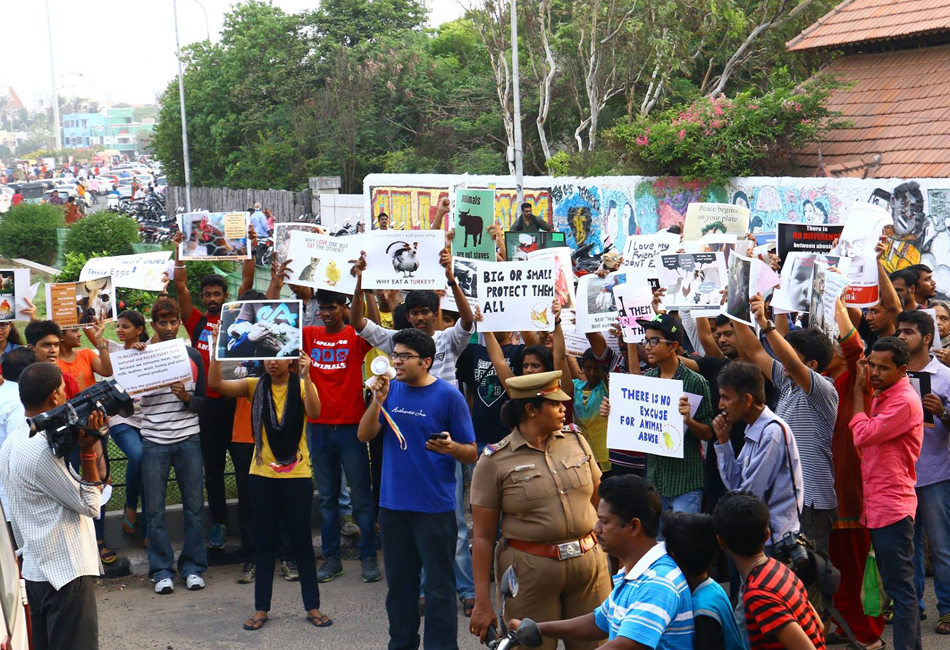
(899,107)
(861,21)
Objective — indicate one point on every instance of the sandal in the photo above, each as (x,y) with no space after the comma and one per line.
(469,607)
(943,625)
(106,554)
(320,621)
(253,624)
(128,526)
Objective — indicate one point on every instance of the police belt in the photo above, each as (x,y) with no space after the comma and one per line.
(564,551)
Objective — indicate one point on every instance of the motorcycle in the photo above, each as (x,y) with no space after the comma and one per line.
(526,635)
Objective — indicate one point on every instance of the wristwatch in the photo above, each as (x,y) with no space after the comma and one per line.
(945,416)
(769,326)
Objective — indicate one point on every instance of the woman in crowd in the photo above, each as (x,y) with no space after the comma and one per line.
(942,311)
(280,483)
(588,395)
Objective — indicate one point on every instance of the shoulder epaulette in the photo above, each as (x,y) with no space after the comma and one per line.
(501,444)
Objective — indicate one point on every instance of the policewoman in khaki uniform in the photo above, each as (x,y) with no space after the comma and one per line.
(541,482)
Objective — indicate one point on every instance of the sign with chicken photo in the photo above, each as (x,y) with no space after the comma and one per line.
(323,262)
(404,259)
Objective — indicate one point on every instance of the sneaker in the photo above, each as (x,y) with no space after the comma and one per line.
(218,536)
(194,582)
(370,569)
(164,586)
(248,573)
(348,526)
(288,571)
(331,568)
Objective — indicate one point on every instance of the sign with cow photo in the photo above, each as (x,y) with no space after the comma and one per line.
(474,213)
(404,259)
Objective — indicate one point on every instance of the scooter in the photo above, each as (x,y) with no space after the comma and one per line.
(526,635)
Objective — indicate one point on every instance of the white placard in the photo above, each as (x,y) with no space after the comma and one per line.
(743,282)
(157,366)
(634,300)
(15,289)
(692,279)
(563,281)
(644,415)
(794,295)
(282,233)
(596,307)
(858,240)
(144,271)
(404,259)
(937,343)
(640,251)
(257,330)
(465,271)
(826,288)
(214,236)
(323,262)
(711,218)
(516,296)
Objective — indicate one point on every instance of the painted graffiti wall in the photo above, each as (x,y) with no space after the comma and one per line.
(605,210)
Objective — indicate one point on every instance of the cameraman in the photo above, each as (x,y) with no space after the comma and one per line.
(52,517)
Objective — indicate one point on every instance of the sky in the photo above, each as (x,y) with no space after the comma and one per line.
(127,45)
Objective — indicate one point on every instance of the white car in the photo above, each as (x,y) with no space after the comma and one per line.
(144,179)
(125,188)
(6,198)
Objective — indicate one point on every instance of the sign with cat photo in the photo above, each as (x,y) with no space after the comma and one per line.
(282,233)
(404,259)
(323,262)
(474,213)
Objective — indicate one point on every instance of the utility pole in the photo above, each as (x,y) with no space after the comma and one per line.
(52,73)
(519,159)
(207,27)
(184,120)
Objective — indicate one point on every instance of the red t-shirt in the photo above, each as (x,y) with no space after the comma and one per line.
(337,372)
(72,388)
(202,342)
(773,598)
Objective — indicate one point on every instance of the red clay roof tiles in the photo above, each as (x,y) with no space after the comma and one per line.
(856,21)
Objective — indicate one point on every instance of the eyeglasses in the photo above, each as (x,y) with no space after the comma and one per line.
(403,356)
(653,341)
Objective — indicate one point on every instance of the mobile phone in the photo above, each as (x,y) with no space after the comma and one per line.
(438,436)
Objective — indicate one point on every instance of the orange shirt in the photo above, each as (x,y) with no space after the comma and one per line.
(80,368)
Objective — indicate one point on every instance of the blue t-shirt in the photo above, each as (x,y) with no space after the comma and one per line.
(415,478)
(710,599)
(650,605)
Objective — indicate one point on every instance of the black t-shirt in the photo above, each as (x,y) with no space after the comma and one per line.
(534,225)
(475,370)
(867,335)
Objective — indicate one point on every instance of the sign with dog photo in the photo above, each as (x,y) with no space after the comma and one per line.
(78,304)
(404,259)
(323,262)
(474,213)
(466,275)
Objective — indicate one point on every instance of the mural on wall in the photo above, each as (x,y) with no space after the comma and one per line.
(606,210)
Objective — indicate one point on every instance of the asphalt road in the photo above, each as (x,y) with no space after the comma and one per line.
(131,615)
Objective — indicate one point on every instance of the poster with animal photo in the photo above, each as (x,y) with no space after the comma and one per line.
(404,259)
(323,262)
(743,281)
(826,287)
(77,304)
(794,295)
(282,232)
(858,241)
(214,236)
(14,293)
(516,296)
(563,281)
(474,213)
(519,245)
(596,305)
(257,330)
(711,218)
(466,275)
(692,279)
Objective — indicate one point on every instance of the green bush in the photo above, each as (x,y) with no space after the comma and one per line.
(29,231)
(103,233)
(72,265)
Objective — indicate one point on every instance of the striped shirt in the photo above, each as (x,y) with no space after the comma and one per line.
(650,604)
(812,418)
(675,476)
(773,597)
(449,344)
(165,418)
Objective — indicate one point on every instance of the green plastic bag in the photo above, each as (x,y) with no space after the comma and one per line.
(873,598)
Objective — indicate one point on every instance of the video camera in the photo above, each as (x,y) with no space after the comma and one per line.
(63,423)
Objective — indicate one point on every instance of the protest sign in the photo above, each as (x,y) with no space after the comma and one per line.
(282,233)
(596,308)
(404,259)
(920,380)
(715,243)
(157,366)
(634,300)
(518,245)
(826,287)
(516,296)
(563,280)
(145,271)
(474,213)
(806,238)
(76,304)
(256,330)
(15,290)
(644,415)
(937,343)
(323,262)
(743,282)
(708,218)
(466,275)
(858,241)
(214,236)
(691,279)
(640,251)
(795,293)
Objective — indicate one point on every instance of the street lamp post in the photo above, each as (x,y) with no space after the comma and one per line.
(52,73)
(207,27)
(519,160)
(184,119)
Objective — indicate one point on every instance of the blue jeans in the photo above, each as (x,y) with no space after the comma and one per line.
(330,447)
(688,502)
(894,550)
(129,441)
(933,514)
(157,460)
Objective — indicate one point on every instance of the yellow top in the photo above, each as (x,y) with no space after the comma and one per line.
(302,468)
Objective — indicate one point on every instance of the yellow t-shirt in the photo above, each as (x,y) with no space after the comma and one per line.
(302,469)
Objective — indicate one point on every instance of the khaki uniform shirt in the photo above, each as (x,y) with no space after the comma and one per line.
(544,496)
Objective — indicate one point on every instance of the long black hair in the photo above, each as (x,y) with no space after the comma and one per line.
(138,320)
(513,412)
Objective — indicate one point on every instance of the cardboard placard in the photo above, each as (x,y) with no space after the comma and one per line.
(474,212)
(596,307)
(78,304)
(692,279)
(323,262)
(858,240)
(708,218)
(214,236)
(15,290)
(815,239)
(257,330)
(640,251)
(563,281)
(282,233)
(404,259)
(644,415)
(157,366)
(634,300)
(743,281)
(516,296)
(144,271)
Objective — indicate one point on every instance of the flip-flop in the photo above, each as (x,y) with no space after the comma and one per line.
(320,621)
(468,607)
(256,623)
(127,526)
(107,555)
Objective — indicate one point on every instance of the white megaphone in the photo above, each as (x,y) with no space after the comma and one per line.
(380,366)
